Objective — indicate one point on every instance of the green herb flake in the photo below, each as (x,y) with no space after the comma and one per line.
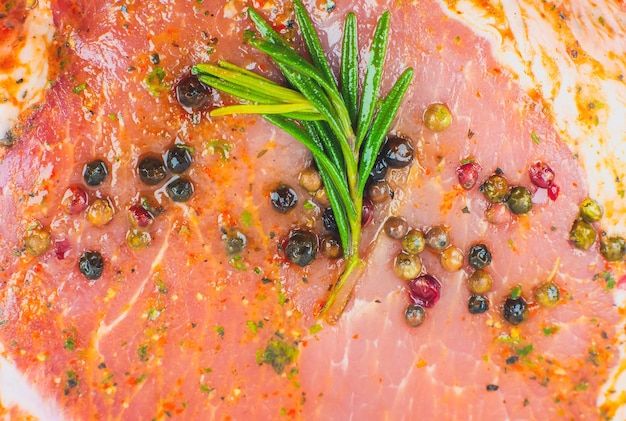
(246,218)
(161,286)
(608,278)
(504,338)
(516,292)
(282,298)
(71,383)
(465,210)
(238,263)
(581,386)
(69,344)
(142,353)
(524,351)
(219,330)
(220,147)
(254,326)
(292,373)
(315,328)
(526,402)
(155,81)
(309,205)
(593,357)
(279,354)
(206,389)
(153,313)
(261,153)
(548,331)
(534,137)
(107,379)
(79,88)
(113,116)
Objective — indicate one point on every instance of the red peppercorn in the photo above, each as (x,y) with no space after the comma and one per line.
(74,200)
(467,173)
(541,174)
(424,290)
(62,248)
(553,191)
(139,216)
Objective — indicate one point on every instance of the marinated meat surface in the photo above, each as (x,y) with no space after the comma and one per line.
(199,315)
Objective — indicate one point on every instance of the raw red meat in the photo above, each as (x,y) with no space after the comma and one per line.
(183,329)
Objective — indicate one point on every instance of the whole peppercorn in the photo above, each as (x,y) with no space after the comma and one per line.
(37,241)
(613,248)
(479,256)
(582,234)
(100,212)
(515,310)
(495,188)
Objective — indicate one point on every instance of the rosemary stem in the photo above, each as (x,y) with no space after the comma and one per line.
(343,288)
(342,291)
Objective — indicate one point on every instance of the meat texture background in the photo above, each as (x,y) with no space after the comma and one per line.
(182,329)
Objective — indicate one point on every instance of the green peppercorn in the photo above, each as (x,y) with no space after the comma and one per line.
(590,210)
(582,234)
(520,200)
(495,188)
(613,248)
(36,241)
(407,266)
(413,241)
(437,117)
(138,239)
(547,294)
(100,212)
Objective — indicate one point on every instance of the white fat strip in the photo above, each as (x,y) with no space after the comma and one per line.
(31,69)
(18,391)
(105,329)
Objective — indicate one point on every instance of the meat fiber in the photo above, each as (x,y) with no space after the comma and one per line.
(184,329)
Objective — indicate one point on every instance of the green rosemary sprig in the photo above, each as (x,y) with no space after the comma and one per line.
(343,128)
